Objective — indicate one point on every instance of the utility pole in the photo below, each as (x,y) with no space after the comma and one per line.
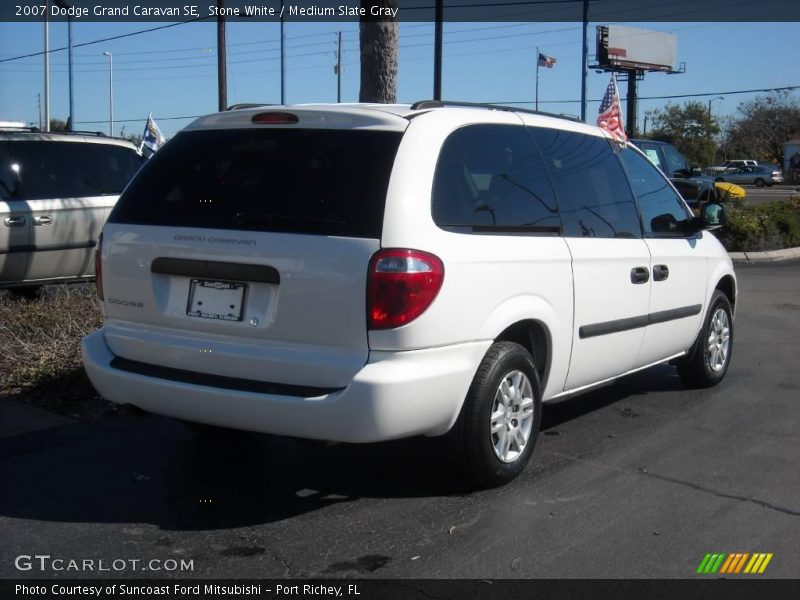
(47,66)
(39,106)
(339,70)
(537,77)
(222,73)
(437,51)
(283,60)
(110,93)
(632,104)
(71,119)
(584,59)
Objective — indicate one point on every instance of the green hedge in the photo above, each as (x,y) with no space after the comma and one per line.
(755,228)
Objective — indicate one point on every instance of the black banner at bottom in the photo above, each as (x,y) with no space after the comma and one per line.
(402,589)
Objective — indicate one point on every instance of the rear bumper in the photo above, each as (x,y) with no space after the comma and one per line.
(395,395)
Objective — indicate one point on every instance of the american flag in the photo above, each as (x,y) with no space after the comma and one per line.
(546,61)
(610,117)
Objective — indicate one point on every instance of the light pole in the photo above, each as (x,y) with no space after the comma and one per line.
(110,93)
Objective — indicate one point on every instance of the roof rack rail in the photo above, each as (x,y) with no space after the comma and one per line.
(423,104)
(31,129)
(244,105)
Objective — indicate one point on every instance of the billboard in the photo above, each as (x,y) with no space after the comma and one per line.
(620,47)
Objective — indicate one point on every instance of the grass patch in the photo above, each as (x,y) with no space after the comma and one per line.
(40,359)
(756,228)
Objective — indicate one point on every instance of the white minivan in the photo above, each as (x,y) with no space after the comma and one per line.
(361,273)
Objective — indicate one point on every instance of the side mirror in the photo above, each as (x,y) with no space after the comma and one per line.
(713,215)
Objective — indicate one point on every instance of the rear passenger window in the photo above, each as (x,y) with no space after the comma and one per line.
(662,210)
(491,177)
(593,193)
(49,169)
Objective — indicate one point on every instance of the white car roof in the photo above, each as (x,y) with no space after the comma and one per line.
(389,117)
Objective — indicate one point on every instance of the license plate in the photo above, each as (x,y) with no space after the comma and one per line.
(221,300)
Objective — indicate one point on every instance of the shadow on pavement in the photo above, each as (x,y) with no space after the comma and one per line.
(139,468)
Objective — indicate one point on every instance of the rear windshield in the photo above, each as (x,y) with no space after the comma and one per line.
(49,169)
(327,182)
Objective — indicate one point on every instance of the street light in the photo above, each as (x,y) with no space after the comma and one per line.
(709,105)
(110,93)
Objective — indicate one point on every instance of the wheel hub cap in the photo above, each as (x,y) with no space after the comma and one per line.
(719,340)
(511,418)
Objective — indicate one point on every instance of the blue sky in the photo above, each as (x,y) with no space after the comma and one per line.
(172,72)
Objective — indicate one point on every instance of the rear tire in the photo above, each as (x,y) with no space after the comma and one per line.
(710,356)
(496,431)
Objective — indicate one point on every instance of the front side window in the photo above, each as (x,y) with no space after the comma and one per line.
(662,210)
(491,177)
(593,194)
(675,160)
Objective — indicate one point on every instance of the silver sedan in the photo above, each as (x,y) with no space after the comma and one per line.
(759,176)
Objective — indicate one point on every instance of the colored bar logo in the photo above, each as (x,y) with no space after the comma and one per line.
(735,563)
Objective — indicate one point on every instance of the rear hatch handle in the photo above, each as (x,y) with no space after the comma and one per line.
(206,269)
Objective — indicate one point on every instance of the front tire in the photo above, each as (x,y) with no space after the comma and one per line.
(760,182)
(710,356)
(495,434)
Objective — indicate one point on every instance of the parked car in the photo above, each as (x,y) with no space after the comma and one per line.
(360,273)
(759,176)
(732,165)
(694,187)
(56,190)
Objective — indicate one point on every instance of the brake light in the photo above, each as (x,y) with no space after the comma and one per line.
(98,267)
(402,284)
(274,118)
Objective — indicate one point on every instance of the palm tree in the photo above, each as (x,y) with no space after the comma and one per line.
(378,43)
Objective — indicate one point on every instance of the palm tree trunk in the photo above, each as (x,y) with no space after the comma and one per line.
(378,42)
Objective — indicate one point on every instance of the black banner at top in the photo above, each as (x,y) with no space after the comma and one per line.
(402,10)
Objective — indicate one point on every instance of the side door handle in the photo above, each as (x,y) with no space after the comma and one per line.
(640,275)
(14,221)
(43,220)
(660,272)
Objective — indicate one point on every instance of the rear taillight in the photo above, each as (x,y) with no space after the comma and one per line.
(402,285)
(98,267)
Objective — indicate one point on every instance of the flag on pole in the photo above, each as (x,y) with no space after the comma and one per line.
(610,117)
(152,139)
(546,61)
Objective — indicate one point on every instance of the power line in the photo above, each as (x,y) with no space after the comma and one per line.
(672,97)
(774,89)
(108,39)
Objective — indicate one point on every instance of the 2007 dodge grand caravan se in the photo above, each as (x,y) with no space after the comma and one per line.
(366,272)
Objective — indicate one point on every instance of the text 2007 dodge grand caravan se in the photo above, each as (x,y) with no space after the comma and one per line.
(366,272)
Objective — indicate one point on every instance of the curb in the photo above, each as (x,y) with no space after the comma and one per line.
(770,256)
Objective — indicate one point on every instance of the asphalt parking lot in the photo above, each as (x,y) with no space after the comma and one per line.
(640,479)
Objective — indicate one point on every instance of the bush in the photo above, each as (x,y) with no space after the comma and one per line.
(772,226)
(40,358)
